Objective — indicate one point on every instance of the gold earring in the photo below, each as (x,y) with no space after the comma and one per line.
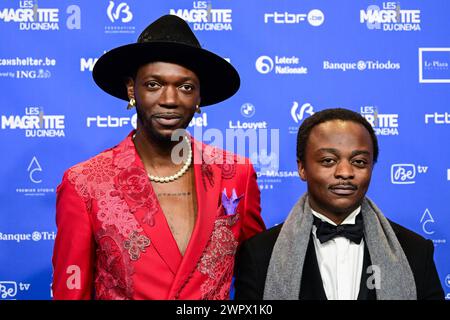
(197,109)
(131,104)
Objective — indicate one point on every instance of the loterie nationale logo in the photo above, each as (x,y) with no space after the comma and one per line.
(204,17)
(390,17)
(35,123)
(280,65)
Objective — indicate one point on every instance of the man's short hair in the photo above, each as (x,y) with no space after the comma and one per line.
(329,115)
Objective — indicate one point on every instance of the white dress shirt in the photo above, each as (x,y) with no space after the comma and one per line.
(340,262)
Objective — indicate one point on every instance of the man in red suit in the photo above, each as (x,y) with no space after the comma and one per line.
(160,215)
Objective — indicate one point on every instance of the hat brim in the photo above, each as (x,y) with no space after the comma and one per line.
(219,80)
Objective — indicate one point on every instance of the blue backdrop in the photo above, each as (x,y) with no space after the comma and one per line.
(387,60)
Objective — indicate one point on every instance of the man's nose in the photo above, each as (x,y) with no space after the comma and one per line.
(344,170)
(169,97)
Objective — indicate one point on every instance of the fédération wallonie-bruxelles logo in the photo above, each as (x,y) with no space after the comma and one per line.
(29,16)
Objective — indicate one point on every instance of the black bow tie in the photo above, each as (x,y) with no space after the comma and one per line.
(326,231)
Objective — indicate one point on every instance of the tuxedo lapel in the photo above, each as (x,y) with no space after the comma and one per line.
(364,292)
(311,284)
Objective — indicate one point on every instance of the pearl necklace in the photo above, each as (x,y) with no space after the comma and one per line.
(180,172)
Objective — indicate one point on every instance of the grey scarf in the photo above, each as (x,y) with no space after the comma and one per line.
(286,264)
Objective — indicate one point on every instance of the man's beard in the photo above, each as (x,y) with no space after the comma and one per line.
(152,133)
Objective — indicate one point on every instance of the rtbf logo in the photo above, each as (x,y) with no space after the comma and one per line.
(405,173)
(437,118)
(315,17)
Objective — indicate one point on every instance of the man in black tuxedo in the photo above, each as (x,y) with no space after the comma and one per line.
(336,244)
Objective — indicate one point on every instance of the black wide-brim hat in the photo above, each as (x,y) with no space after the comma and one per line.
(168,39)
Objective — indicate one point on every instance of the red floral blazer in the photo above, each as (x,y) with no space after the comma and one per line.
(113,241)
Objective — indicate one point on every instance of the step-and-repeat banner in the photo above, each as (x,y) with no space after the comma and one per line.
(388,60)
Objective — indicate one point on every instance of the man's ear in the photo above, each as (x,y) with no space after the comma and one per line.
(130,88)
(301,170)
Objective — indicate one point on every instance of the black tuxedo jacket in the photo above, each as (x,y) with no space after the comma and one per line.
(254,255)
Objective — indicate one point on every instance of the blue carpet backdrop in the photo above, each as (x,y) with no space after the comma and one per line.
(388,60)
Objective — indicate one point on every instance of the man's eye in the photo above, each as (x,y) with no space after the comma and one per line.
(187,87)
(328,161)
(360,163)
(153,85)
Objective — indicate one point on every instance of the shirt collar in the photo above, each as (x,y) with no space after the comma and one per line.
(349,220)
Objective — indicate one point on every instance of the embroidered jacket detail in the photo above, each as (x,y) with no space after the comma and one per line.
(207,175)
(133,182)
(136,244)
(113,276)
(217,262)
(94,179)
(228,166)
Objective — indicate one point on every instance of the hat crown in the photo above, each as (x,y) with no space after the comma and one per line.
(169,28)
